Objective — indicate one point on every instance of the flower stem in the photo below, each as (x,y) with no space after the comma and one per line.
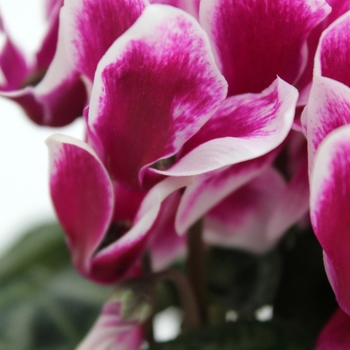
(196,269)
(187,297)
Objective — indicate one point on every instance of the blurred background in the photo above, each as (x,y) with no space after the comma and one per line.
(24,196)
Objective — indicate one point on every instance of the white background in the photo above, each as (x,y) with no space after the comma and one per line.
(24,197)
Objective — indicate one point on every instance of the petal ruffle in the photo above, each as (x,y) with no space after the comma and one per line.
(330,209)
(140,115)
(82,195)
(245,127)
(257,40)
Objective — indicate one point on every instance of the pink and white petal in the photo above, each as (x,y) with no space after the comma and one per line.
(111,331)
(82,194)
(126,203)
(339,7)
(245,127)
(137,112)
(51,8)
(165,244)
(328,109)
(249,115)
(113,262)
(13,65)
(60,96)
(258,40)
(333,54)
(47,50)
(335,335)
(296,148)
(241,219)
(292,206)
(330,209)
(209,189)
(190,6)
(91,26)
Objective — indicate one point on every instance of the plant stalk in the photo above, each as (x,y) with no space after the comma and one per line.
(196,269)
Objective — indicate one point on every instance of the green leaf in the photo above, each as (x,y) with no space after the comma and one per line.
(242,335)
(42,247)
(44,303)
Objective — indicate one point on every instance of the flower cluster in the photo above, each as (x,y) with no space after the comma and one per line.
(219,111)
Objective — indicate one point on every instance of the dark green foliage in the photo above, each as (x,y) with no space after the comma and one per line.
(44,303)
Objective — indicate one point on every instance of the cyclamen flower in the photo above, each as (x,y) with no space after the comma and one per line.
(132,102)
(123,113)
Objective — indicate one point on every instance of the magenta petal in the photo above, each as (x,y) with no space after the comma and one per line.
(339,7)
(55,105)
(13,65)
(245,127)
(60,96)
(330,209)
(126,203)
(241,219)
(111,331)
(209,189)
(257,40)
(335,335)
(93,25)
(113,262)
(293,204)
(333,56)
(165,244)
(154,88)
(82,195)
(328,109)
(47,50)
